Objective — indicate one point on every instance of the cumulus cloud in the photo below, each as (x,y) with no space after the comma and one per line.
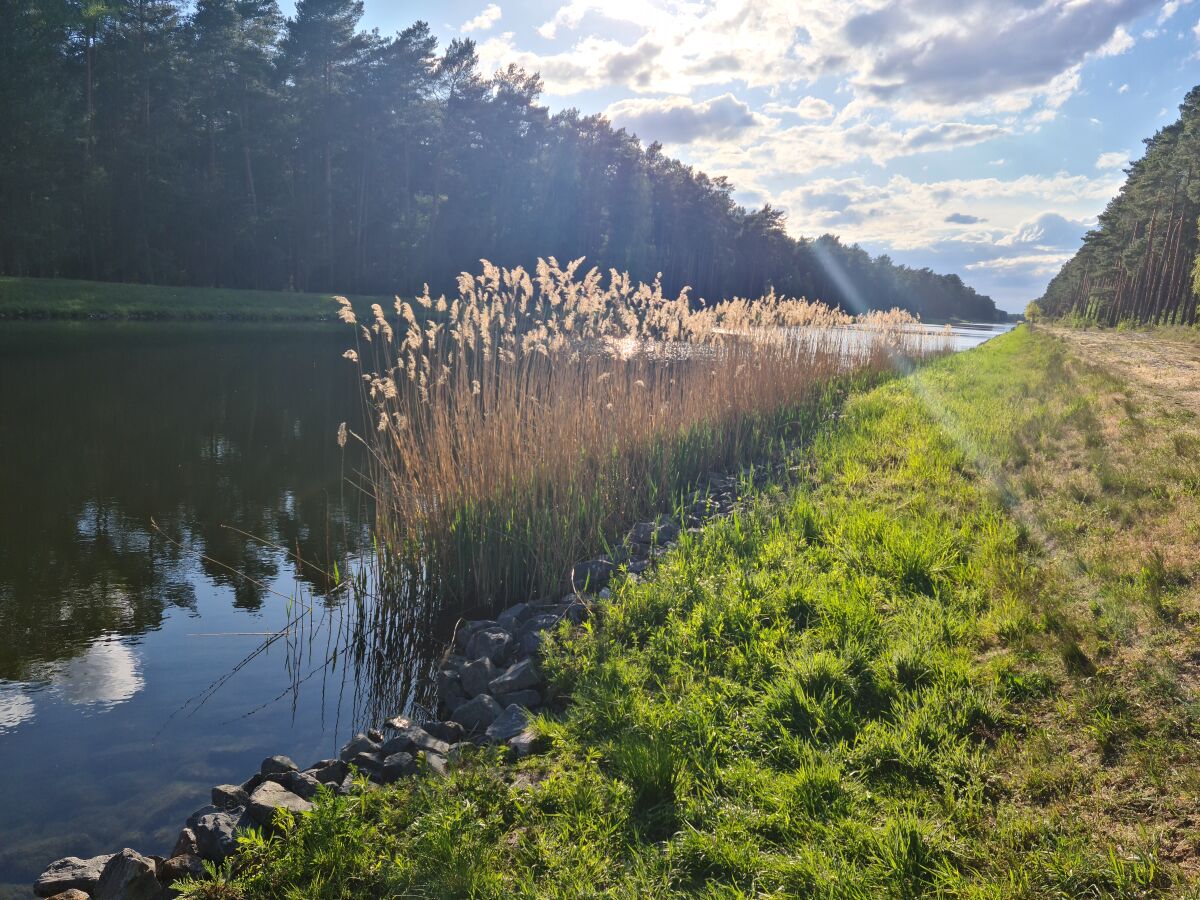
(484,21)
(677,120)
(809,108)
(1031,264)
(1048,230)
(1116,159)
(1170,8)
(962,219)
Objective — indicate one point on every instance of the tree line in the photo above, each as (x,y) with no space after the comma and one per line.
(217,143)
(1140,263)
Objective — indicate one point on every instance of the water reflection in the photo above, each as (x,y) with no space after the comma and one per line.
(135,464)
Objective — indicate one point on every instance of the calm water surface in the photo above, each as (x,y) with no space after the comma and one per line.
(110,629)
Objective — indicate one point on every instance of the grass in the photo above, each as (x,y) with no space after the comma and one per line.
(57,298)
(900,675)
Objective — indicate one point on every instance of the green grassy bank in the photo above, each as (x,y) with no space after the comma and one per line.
(56,298)
(937,664)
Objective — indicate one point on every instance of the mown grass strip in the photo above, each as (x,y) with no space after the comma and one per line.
(816,697)
(59,298)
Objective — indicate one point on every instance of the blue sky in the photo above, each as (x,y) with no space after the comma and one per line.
(977,136)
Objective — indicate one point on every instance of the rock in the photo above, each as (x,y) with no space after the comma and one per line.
(576,611)
(530,643)
(332,773)
(397,766)
(450,732)
(508,724)
(475,676)
(515,616)
(465,631)
(524,743)
(376,735)
(270,797)
(302,784)
(216,831)
(250,785)
(183,865)
(591,575)
(277,765)
(529,699)
(186,843)
(437,764)
(70,873)
(542,622)
(517,677)
(416,736)
(360,743)
(72,894)
(368,762)
(638,566)
(477,714)
(449,688)
(491,642)
(128,876)
(228,796)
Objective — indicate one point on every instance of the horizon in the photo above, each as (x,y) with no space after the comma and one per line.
(870,127)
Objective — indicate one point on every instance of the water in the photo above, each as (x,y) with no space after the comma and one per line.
(971,334)
(107,628)
(110,628)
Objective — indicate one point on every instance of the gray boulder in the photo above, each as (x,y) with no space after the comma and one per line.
(186,843)
(229,796)
(277,765)
(508,724)
(467,630)
(475,676)
(69,873)
(128,876)
(302,784)
(529,699)
(515,616)
(591,575)
(360,743)
(491,642)
(183,865)
(71,894)
(477,714)
(333,772)
(517,677)
(450,732)
(525,742)
(416,736)
(216,831)
(397,766)
(450,689)
(270,797)
(369,762)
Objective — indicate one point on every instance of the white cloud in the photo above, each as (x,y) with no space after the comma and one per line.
(1123,89)
(1170,8)
(808,108)
(677,120)
(484,21)
(1033,264)
(1117,159)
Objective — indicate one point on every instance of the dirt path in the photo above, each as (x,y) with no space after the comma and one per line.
(1167,368)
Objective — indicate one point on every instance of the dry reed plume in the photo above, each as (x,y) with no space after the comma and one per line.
(523,423)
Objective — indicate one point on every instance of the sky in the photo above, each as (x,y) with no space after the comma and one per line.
(974,136)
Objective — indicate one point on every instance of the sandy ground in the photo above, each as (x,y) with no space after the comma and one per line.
(1162,366)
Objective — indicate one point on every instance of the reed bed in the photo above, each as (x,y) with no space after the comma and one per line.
(528,422)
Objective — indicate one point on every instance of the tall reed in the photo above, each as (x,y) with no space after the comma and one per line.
(522,424)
